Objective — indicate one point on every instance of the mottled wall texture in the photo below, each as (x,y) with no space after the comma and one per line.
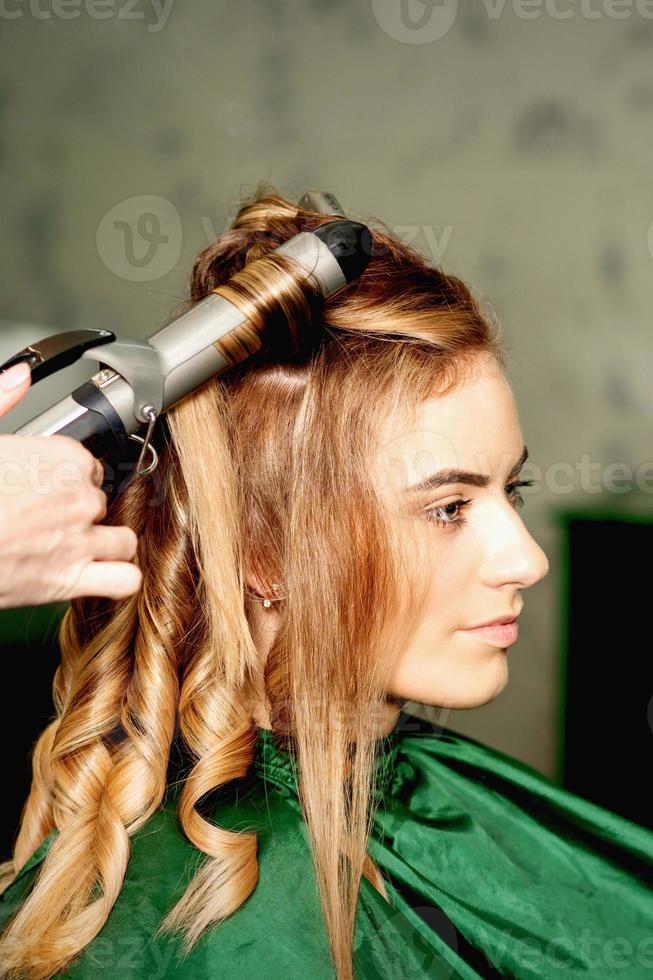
(510,141)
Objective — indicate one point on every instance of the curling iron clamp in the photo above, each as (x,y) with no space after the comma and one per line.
(140,379)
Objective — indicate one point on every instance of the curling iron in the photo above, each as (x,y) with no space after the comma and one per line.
(141,379)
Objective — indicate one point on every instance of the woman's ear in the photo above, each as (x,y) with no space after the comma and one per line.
(255,582)
(261,586)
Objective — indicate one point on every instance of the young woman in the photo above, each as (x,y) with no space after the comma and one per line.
(230,785)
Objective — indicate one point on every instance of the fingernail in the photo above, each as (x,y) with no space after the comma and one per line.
(14,376)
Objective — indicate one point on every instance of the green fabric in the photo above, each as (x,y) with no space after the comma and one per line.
(491,868)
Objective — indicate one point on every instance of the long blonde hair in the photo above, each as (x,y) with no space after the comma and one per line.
(266,468)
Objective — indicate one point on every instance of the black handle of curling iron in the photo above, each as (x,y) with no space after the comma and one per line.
(57,352)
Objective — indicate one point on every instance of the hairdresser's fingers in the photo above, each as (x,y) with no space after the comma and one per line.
(14,384)
(83,463)
(113,543)
(97,472)
(107,580)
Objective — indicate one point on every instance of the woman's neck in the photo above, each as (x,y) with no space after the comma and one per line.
(389,717)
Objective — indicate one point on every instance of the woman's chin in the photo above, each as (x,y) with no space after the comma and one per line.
(469,688)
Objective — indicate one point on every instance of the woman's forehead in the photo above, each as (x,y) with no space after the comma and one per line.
(474,427)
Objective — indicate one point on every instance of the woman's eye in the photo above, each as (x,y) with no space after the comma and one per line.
(448,520)
(444,517)
(519,500)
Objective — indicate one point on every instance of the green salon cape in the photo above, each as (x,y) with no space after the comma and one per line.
(492,870)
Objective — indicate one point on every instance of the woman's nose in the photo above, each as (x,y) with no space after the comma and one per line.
(513,555)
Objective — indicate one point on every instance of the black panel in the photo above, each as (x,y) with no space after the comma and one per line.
(30,655)
(609,675)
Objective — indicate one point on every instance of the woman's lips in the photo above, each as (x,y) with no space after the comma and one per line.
(500,635)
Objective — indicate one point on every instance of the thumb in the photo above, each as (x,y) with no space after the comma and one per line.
(14,384)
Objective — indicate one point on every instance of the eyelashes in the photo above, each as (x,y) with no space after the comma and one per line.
(454,522)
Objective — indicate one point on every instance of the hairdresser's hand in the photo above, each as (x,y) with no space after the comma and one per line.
(51,548)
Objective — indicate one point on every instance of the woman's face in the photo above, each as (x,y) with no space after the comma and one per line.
(478,568)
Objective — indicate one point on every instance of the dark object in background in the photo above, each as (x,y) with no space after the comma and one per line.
(607,720)
(29,649)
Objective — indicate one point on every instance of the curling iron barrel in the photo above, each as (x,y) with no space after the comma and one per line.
(140,379)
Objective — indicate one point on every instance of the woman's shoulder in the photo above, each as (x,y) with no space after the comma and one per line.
(162,864)
(559,884)
(435,755)
(436,752)
(158,849)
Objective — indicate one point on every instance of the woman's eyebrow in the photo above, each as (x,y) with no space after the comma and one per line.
(444,477)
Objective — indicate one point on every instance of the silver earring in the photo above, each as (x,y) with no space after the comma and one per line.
(275,588)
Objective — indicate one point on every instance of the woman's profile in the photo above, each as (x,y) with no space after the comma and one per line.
(229,784)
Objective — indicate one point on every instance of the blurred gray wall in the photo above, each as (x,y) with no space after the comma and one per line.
(510,141)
